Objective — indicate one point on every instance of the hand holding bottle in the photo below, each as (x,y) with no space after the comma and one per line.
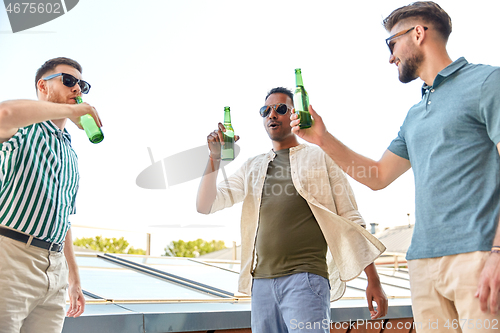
(314,134)
(89,122)
(215,139)
(81,110)
(301,101)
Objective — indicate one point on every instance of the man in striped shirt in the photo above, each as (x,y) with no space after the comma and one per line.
(38,185)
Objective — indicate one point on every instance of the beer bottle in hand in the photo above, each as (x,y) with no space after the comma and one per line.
(89,125)
(301,101)
(227,150)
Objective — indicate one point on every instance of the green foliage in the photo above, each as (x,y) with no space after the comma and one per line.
(131,250)
(107,245)
(192,249)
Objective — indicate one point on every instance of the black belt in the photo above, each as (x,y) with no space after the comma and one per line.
(12,234)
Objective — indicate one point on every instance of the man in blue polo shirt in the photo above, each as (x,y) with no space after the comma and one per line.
(451,141)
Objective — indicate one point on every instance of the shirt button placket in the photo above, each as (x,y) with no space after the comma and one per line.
(429,101)
(60,176)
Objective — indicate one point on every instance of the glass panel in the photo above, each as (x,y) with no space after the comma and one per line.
(233,267)
(114,282)
(358,283)
(394,291)
(212,276)
(389,290)
(201,273)
(94,262)
(158,261)
(395,280)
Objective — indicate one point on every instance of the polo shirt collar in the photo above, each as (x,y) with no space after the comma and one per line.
(446,72)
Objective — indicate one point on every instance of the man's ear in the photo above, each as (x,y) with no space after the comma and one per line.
(420,33)
(41,86)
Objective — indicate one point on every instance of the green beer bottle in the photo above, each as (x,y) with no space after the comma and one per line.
(89,125)
(301,101)
(227,150)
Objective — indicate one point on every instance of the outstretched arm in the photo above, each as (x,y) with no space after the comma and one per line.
(20,113)
(208,185)
(375,174)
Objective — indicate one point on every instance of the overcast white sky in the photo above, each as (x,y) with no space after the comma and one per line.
(162,71)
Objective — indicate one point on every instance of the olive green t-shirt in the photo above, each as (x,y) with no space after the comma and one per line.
(289,239)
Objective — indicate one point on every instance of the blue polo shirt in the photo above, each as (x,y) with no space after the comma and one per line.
(450,139)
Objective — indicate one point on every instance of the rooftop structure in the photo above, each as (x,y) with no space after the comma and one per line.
(136,294)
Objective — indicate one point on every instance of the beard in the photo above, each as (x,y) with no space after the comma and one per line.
(54,97)
(410,67)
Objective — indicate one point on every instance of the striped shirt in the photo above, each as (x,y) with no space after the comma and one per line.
(38,181)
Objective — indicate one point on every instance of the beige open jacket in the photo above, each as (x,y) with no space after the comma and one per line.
(325,188)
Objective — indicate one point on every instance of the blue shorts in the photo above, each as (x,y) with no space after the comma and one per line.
(292,303)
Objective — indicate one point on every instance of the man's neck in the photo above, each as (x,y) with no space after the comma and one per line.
(61,123)
(280,145)
(434,64)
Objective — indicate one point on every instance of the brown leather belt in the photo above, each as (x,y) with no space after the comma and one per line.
(12,234)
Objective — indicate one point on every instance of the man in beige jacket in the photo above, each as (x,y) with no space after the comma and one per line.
(302,235)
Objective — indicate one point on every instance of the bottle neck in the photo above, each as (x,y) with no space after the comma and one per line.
(298,79)
(227,117)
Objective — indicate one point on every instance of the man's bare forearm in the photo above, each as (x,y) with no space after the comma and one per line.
(73,275)
(208,187)
(21,113)
(372,274)
(374,174)
(361,168)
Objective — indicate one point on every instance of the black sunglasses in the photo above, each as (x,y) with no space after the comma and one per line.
(70,81)
(388,41)
(279,108)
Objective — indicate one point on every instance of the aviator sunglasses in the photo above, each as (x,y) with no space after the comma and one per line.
(279,108)
(70,81)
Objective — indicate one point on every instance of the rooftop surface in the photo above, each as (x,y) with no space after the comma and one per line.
(131,293)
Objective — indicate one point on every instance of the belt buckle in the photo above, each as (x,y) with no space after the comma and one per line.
(54,244)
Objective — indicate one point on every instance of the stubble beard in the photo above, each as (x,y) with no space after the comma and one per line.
(410,67)
(55,96)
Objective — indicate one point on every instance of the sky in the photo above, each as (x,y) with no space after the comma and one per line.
(162,71)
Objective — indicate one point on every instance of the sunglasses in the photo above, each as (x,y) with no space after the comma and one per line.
(279,108)
(70,81)
(389,42)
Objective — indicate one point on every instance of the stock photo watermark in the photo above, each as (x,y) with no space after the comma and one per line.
(24,14)
(361,324)
(178,168)
(190,164)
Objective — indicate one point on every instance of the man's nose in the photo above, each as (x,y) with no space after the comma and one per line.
(76,88)
(392,58)
(273,114)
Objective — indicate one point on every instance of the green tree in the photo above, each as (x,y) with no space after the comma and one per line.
(107,245)
(193,249)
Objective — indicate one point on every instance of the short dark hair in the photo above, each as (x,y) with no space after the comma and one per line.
(428,11)
(53,63)
(280,90)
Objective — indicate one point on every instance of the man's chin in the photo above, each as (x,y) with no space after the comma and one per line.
(406,78)
(274,136)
